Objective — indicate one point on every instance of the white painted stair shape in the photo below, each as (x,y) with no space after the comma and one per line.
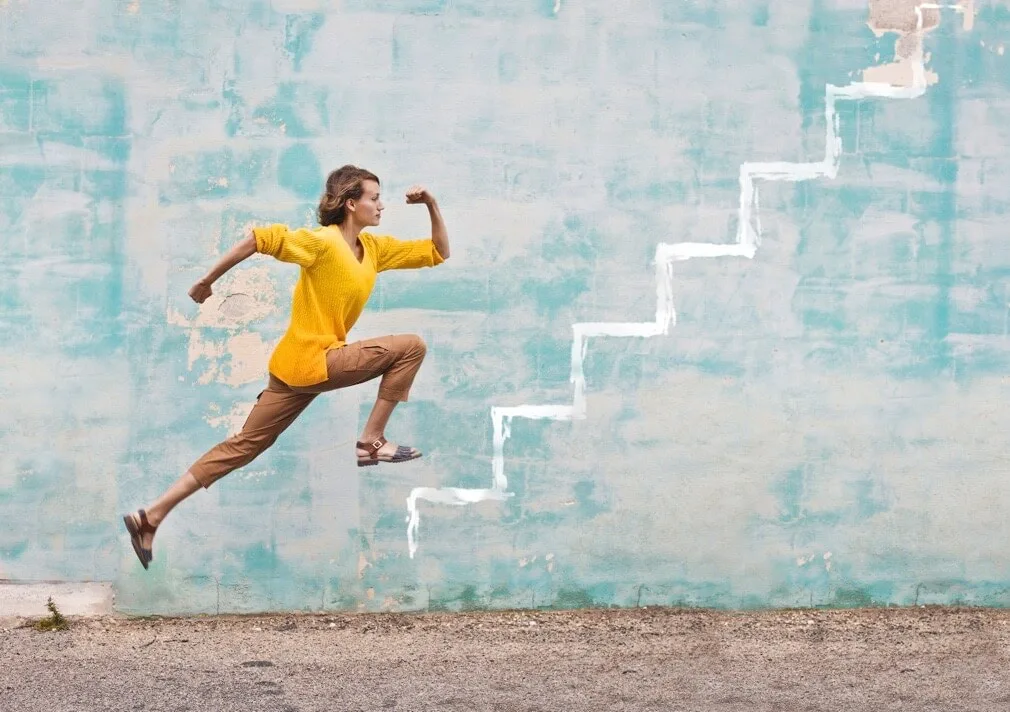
(748,239)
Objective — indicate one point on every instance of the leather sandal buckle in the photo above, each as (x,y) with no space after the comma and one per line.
(377,444)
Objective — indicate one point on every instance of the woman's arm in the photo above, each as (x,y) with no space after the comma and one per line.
(243,249)
(439,235)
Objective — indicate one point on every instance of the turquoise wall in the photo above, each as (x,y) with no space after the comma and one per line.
(824,423)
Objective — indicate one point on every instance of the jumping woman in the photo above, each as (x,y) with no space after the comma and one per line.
(339,262)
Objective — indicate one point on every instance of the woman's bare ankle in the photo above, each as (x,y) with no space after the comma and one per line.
(151,514)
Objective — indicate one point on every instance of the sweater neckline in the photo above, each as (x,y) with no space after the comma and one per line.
(364,250)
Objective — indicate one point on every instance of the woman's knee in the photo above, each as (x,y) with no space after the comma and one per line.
(414,346)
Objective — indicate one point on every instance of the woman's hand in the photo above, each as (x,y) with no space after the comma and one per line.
(200,291)
(419,194)
(439,236)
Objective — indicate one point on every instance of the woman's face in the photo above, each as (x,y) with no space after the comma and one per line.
(368,208)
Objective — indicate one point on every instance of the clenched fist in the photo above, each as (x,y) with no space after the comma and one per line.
(200,291)
(419,194)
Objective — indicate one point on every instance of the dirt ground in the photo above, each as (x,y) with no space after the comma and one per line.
(920,659)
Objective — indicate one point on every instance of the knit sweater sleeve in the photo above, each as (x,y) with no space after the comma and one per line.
(301,247)
(392,253)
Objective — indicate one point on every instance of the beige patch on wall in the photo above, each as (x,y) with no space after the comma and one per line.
(231,421)
(899,16)
(219,338)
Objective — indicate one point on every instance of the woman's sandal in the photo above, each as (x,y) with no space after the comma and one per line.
(402,454)
(137,533)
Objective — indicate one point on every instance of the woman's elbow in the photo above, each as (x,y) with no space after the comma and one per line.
(247,247)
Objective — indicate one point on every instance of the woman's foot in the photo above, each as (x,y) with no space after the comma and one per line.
(141,535)
(372,452)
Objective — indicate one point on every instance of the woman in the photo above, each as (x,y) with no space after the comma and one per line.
(339,262)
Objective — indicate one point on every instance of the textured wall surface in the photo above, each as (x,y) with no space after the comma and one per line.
(822,422)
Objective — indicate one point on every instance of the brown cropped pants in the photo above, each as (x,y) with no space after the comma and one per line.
(395,358)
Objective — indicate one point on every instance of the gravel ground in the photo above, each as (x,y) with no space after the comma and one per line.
(920,659)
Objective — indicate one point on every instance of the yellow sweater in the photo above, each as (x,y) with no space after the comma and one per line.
(331,291)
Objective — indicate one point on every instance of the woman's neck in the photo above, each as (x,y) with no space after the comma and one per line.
(350,230)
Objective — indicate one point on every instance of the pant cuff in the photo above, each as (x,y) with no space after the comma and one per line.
(205,478)
(393,394)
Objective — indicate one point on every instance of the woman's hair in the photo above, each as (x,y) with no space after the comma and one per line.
(343,184)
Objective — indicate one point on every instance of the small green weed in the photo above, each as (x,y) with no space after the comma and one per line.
(55,621)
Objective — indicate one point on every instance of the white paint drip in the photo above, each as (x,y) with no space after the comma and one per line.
(748,239)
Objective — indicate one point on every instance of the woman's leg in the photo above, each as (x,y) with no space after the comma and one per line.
(275,409)
(394,388)
(178,491)
(395,358)
(375,426)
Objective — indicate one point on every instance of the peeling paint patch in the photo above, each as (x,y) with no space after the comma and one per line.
(236,361)
(911,20)
(232,421)
(253,282)
(240,356)
(249,354)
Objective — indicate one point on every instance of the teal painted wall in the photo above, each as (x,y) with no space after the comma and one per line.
(824,424)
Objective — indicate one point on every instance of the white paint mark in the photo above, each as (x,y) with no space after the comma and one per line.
(253,475)
(748,239)
(557,6)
